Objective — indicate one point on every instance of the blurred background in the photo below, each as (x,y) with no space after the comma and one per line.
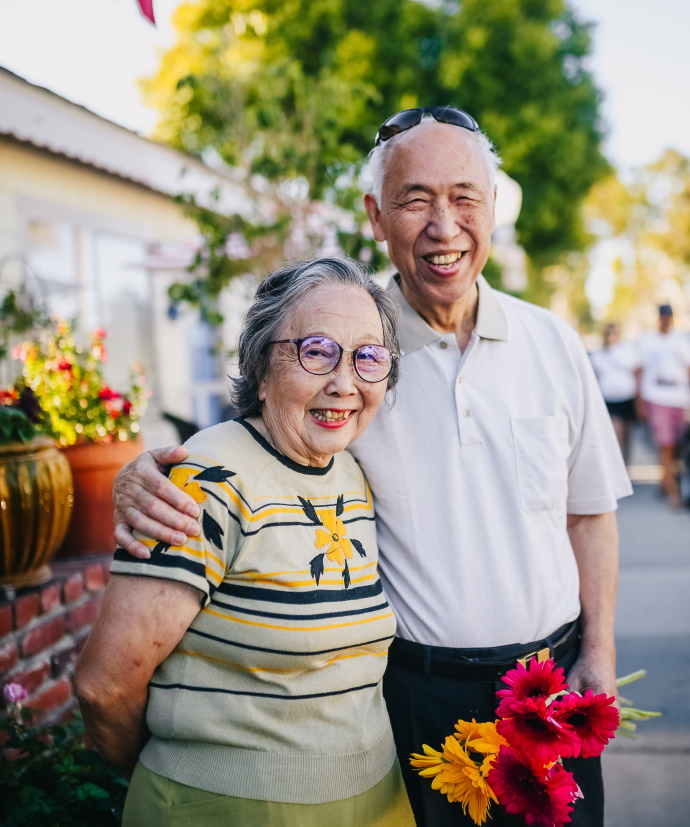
(151,174)
(261,114)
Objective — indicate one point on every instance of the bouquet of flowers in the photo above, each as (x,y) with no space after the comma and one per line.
(515,760)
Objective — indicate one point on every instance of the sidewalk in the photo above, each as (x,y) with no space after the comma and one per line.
(648,779)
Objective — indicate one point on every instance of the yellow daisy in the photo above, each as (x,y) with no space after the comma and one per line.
(455,774)
(335,533)
(479,737)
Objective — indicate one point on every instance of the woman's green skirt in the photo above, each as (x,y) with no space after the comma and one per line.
(154,801)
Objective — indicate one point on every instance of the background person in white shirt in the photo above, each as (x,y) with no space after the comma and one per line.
(615,365)
(495,475)
(664,376)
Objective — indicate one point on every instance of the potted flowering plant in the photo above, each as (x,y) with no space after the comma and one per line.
(97,427)
(35,491)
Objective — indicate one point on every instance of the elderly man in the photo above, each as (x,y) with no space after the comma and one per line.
(495,474)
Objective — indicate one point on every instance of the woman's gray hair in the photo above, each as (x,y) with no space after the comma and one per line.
(276,296)
(377,161)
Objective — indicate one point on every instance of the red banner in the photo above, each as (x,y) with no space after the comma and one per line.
(146,8)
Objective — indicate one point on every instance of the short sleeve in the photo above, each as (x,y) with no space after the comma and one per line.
(204,560)
(597,477)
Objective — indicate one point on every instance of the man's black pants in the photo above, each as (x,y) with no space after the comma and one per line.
(424,709)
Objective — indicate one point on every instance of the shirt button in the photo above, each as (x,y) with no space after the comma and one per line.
(466,412)
(443,345)
(459,380)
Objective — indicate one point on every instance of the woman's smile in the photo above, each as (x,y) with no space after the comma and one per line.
(330,417)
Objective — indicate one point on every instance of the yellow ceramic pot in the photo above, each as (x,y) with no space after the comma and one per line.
(35,508)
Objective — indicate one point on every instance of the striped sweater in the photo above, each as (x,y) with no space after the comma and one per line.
(274,691)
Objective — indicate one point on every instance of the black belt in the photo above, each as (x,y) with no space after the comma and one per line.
(468,665)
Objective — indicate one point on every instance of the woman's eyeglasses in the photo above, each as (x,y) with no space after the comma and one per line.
(320,355)
(408,118)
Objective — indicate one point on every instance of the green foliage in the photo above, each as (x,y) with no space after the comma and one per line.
(21,417)
(15,318)
(297,88)
(68,382)
(649,216)
(667,188)
(15,425)
(53,778)
(212,267)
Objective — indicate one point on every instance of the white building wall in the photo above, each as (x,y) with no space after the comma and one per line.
(108,227)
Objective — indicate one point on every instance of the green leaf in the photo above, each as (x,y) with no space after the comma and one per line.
(15,426)
(85,791)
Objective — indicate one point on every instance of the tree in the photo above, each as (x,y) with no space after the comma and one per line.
(297,89)
(668,189)
(649,218)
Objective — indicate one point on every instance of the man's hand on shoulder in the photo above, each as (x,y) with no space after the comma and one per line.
(147,501)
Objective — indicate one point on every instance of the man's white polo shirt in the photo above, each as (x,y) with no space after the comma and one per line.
(474,469)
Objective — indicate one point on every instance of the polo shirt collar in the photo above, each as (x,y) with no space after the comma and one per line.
(415,333)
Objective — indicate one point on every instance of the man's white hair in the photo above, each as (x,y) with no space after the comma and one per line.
(375,169)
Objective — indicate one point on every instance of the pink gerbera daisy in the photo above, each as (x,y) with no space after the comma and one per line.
(543,797)
(592,717)
(531,727)
(539,680)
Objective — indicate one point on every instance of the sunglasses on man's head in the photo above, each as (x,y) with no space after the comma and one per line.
(320,355)
(411,117)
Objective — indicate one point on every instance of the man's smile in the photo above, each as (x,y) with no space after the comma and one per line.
(443,259)
(448,260)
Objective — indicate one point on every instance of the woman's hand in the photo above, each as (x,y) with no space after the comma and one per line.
(146,500)
(140,623)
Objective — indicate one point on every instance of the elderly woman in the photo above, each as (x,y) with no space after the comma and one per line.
(243,669)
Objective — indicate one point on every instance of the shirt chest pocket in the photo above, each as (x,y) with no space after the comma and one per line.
(541,455)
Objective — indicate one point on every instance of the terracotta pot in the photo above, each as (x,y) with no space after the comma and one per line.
(35,508)
(94,467)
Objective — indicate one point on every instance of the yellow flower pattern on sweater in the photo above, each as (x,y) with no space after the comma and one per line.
(331,534)
(335,533)
(180,478)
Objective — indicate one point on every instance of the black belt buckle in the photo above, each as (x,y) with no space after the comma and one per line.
(540,654)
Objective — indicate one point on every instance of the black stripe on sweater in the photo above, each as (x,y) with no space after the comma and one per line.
(216,691)
(284,652)
(284,616)
(291,596)
(163,561)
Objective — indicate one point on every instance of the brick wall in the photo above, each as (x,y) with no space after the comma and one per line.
(42,630)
